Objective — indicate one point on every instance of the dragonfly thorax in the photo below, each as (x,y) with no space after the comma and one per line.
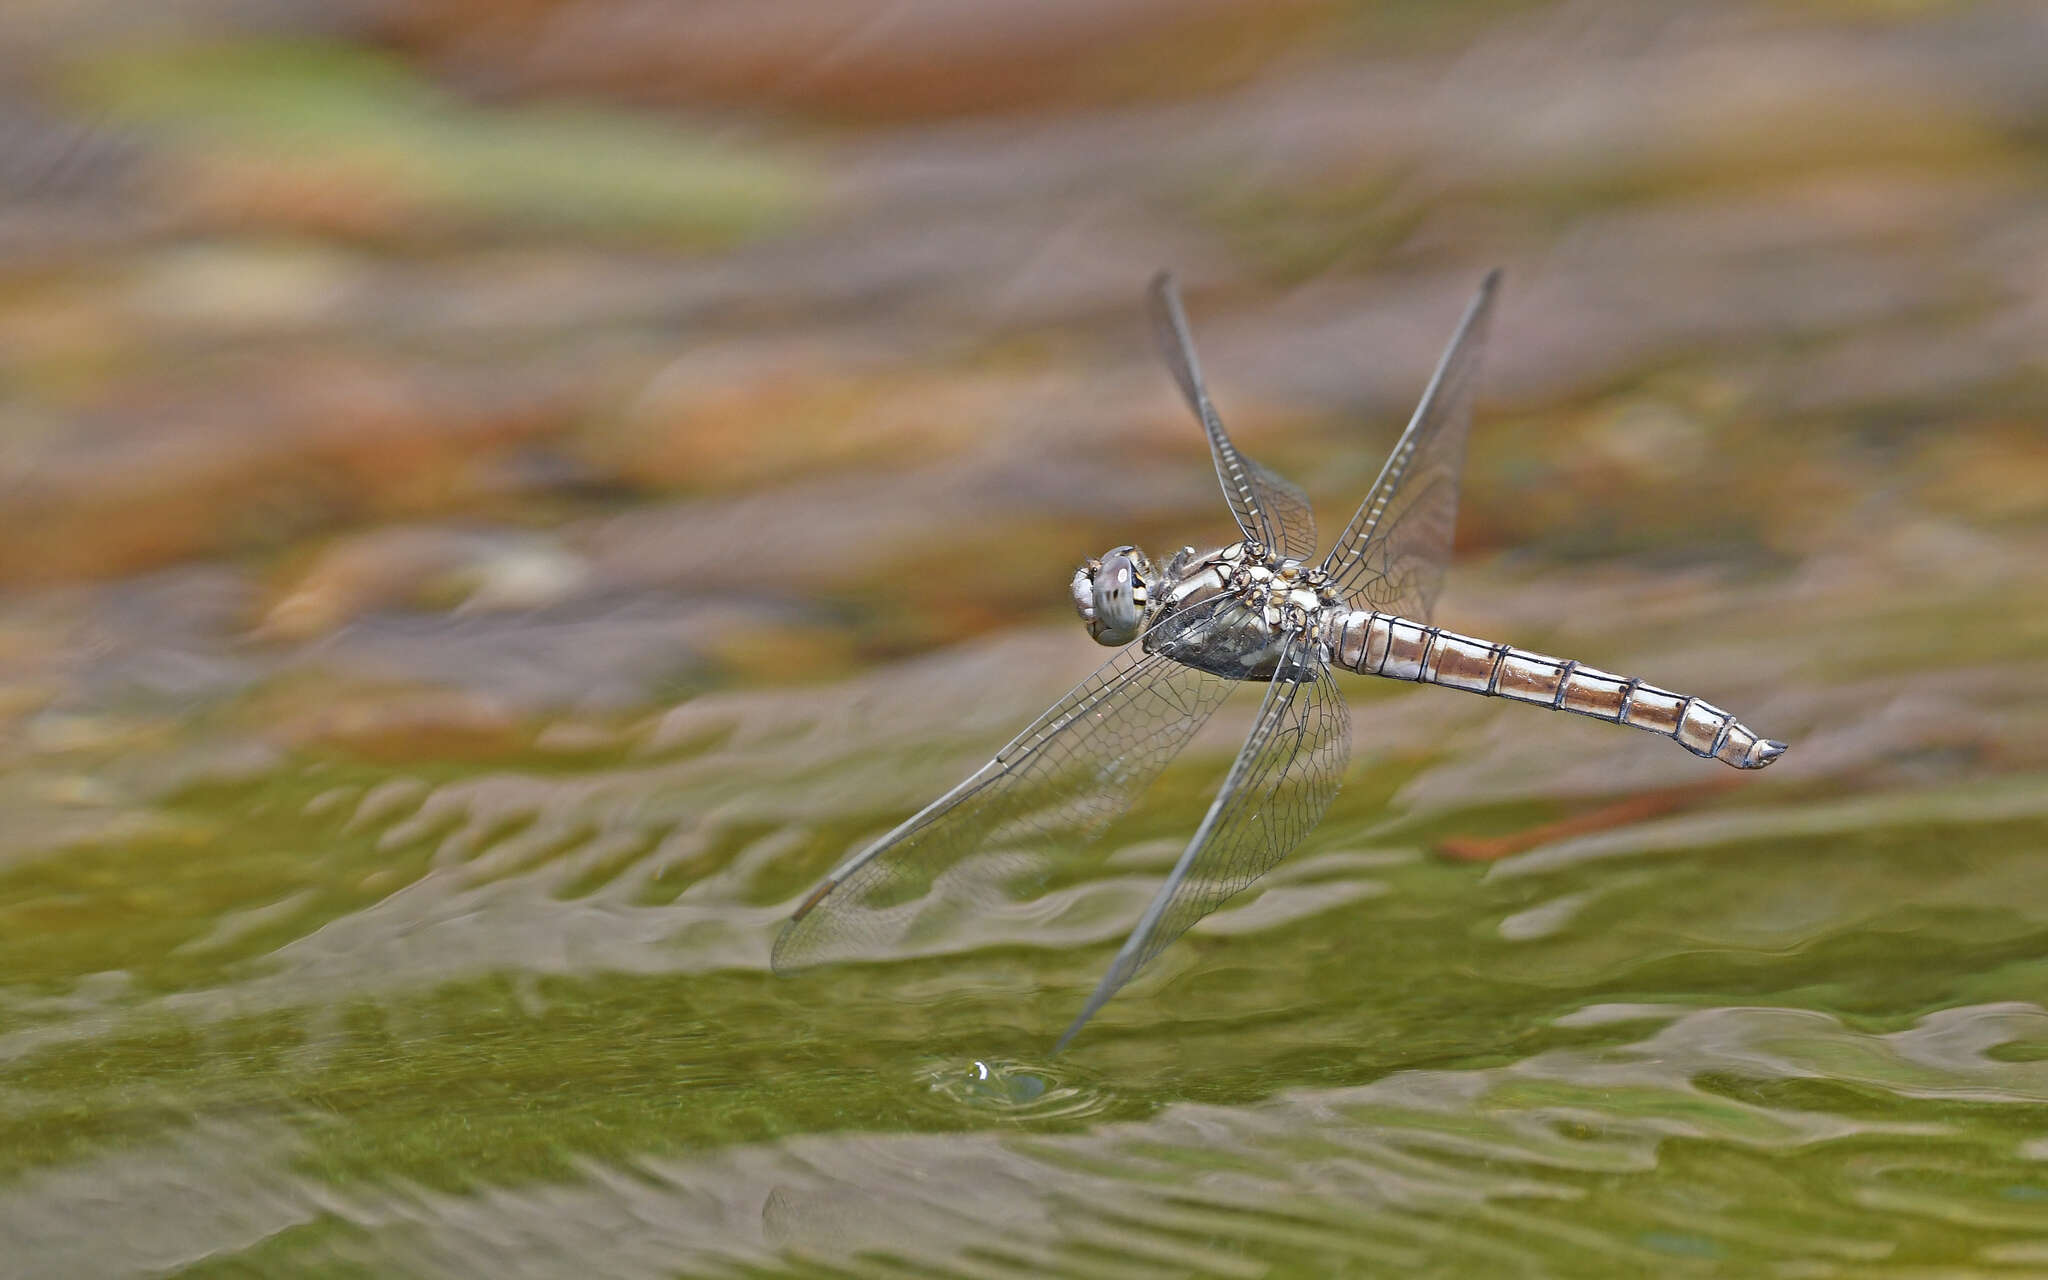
(1289,594)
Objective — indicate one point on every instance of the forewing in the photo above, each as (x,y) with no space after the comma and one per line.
(1269,509)
(1276,792)
(1293,521)
(1059,782)
(1392,555)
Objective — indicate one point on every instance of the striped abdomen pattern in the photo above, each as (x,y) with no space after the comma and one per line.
(1382,644)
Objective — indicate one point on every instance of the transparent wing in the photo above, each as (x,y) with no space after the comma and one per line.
(1275,794)
(1061,780)
(1392,555)
(1269,509)
(1294,523)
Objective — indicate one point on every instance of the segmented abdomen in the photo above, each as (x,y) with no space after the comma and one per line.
(1381,644)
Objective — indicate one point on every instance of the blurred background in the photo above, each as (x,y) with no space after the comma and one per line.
(498,496)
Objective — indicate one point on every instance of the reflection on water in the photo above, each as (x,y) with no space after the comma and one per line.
(472,562)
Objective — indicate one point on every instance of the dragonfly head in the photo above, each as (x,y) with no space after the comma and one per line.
(1111,595)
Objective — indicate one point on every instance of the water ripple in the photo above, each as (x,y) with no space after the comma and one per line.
(1618,1158)
(1011,1090)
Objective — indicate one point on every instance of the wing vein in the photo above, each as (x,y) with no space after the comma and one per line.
(1392,554)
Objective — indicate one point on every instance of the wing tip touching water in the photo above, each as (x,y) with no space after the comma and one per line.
(1276,791)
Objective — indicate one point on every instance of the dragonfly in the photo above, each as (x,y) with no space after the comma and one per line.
(1262,611)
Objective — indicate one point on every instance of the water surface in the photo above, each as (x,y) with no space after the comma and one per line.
(486,521)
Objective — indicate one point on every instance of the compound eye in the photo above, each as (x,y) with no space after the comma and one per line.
(1118,591)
